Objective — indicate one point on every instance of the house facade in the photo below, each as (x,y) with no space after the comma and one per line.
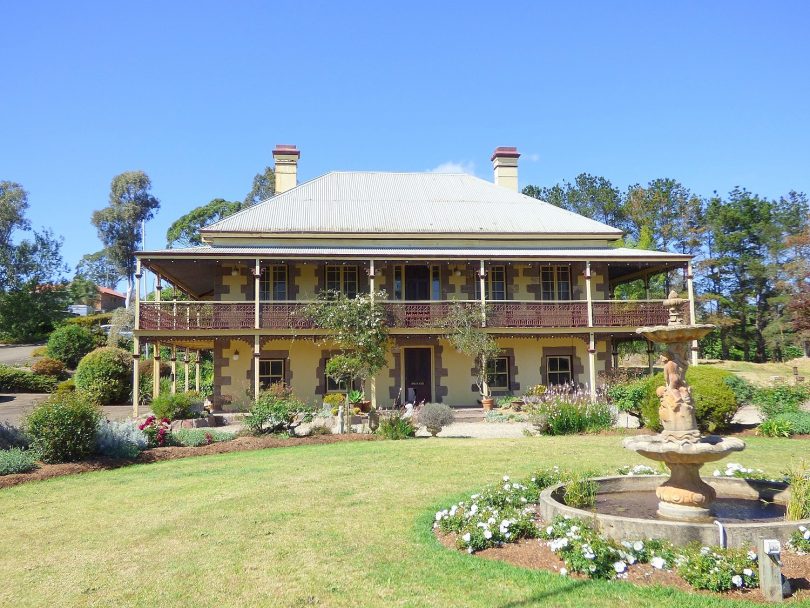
(545,277)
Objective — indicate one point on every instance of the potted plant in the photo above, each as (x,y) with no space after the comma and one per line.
(357,400)
(465,331)
(435,416)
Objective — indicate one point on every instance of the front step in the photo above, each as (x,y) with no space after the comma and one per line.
(468,414)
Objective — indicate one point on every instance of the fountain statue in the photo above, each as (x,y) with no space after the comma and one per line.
(680,446)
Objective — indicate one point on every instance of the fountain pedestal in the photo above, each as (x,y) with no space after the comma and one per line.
(684,496)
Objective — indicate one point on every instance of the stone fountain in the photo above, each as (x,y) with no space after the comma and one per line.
(680,446)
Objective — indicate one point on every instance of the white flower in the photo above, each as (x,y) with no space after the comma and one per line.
(466,537)
(716,473)
(506,477)
(453,510)
(473,509)
(806,535)
(487,534)
(550,530)
(638,545)
(439,515)
(563,572)
(802,528)
(752,556)
(737,580)
(469,549)
(705,550)
(748,572)
(658,563)
(619,567)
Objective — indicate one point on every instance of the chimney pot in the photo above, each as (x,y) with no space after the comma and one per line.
(286,159)
(505,165)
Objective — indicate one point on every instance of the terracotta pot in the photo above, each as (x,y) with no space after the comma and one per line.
(365,406)
(488,403)
(434,430)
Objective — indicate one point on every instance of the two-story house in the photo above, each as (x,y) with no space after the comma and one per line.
(545,275)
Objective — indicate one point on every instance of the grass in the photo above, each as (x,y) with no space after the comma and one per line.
(330,525)
(761,373)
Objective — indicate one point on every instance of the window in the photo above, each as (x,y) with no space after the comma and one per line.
(273,283)
(332,386)
(342,279)
(397,282)
(558,370)
(498,371)
(271,371)
(556,282)
(496,283)
(435,283)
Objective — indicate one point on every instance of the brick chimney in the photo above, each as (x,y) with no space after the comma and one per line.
(505,164)
(286,159)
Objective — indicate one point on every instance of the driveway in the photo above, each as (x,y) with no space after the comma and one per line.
(14,408)
(16,354)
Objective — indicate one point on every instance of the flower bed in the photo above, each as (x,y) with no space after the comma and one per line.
(502,522)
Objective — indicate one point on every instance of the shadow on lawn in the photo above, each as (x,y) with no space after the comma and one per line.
(542,596)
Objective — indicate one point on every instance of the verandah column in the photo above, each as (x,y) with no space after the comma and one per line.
(256,354)
(371,289)
(156,371)
(136,377)
(197,372)
(482,287)
(591,338)
(690,290)
(185,363)
(257,347)
(173,360)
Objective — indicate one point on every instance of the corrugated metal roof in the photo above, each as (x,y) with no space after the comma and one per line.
(436,253)
(373,202)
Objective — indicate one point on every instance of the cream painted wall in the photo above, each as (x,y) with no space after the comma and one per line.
(237,372)
(233,287)
(307,280)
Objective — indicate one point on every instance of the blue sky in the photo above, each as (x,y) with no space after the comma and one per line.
(197,94)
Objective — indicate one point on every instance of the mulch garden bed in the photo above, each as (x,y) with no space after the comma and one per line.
(240,444)
(534,554)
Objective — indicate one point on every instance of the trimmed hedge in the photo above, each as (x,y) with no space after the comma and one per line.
(715,401)
(70,343)
(90,321)
(15,380)
(46,366)
(63,428)
(105,375)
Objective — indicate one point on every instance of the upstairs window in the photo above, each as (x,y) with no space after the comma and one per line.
(342,279)
(556,282)
(273,283)
(495,283)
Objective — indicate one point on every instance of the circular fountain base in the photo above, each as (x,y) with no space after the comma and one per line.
(627,509)
(676,512)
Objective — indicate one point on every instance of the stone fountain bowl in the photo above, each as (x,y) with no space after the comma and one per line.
(675,333)
(630,527)
(706,449)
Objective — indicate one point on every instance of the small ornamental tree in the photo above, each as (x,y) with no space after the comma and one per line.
(465,331)
(359,330)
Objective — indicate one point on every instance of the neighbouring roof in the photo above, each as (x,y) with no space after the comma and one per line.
(111,292)
(405,203)
(432,253)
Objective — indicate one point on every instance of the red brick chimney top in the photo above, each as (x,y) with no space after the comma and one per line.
(505,152)
(288,149)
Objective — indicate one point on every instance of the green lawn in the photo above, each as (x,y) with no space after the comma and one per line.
(331,525)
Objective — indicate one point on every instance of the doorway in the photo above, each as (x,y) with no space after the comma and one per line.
(418,374)
(417,282)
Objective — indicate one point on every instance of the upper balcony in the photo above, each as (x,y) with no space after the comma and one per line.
(422,315)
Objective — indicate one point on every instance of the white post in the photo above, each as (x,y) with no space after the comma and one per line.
(156,371)
(592,365)
(174,369)
(136,377)
(197,372)
(690,289)
(137,294)
(588,294)
(482,282)
(372,289)
(257,275)
(256,355)
(185,361)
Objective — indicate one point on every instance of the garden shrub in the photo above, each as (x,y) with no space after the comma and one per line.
(715,402)
(105,375)
(197,437)
(16,460)
(158,432)
(636,470)
(12,437)
(46,366)
(629,396)
(63,428)
(90,321)
(798,507)
(580,491)
(70,343)
(39,351)
(735,469)
(775,427)
(276,411)
(799,422)
(800,540)
(16,380)
(435,416)
(120,439)
(175,406)
(781,399)
(333,401)
(743,390)
(718,569)
(575,413)
(67,386)
(396,427)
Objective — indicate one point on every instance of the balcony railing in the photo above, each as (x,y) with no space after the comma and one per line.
(184,315)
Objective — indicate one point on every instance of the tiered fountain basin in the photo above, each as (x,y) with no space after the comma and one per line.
(627,509)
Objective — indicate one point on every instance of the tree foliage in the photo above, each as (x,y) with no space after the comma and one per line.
(119,224)
(185,231)
(264,186)
(100,269)
(465,331)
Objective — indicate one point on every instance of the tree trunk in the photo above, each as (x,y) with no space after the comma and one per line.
(129,292)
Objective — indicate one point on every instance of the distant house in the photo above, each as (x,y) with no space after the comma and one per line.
(545,276)
(109,300)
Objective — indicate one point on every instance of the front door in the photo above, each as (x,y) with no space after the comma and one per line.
(417,282)
(418,376)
